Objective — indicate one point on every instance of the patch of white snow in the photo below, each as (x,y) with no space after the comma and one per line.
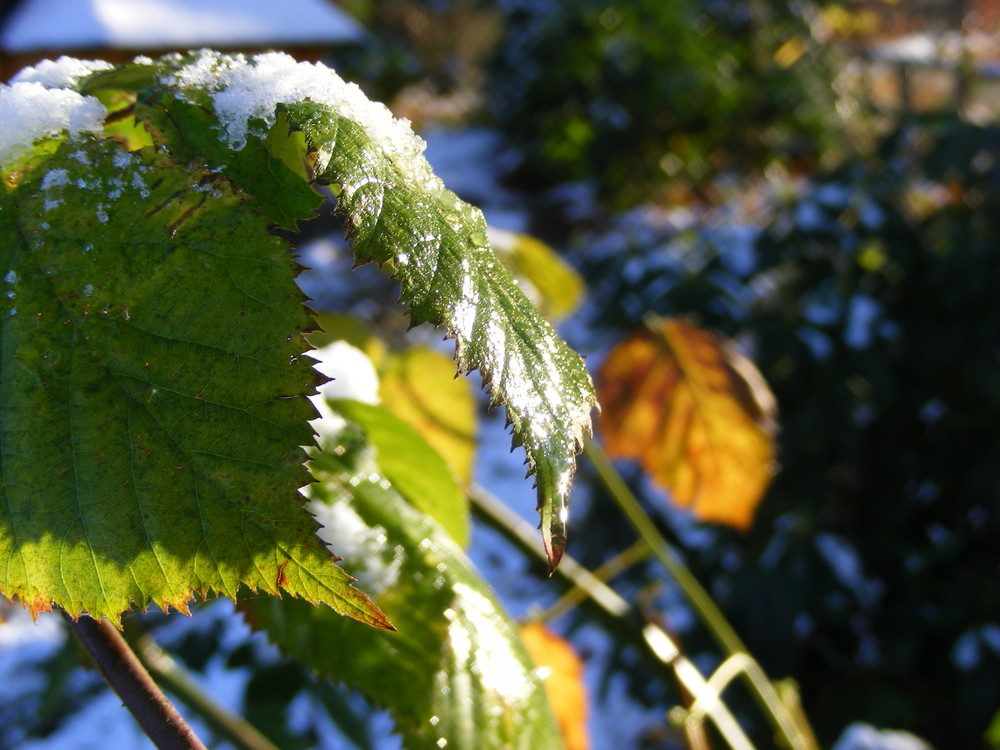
(352,376)
(242,90)
(29,111)
(59,74)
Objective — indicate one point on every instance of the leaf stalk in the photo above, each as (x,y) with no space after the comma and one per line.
(126,675)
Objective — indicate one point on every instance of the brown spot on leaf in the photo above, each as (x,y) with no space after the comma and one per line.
(282,580)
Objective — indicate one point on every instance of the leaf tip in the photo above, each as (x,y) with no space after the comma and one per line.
(555,546)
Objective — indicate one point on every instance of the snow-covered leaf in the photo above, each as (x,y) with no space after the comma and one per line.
(399,215)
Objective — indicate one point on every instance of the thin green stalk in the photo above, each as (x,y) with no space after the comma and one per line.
(739,658)
(226,724)
(655,638)
(710,614)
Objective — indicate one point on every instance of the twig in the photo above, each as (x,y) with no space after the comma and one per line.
(125,674)
(710,614)
(228,725)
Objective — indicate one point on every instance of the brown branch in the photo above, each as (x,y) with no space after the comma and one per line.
(129,679)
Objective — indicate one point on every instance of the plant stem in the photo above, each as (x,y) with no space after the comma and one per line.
(796,734)
(655,639)
(710,614)
(125,674)
(228,725)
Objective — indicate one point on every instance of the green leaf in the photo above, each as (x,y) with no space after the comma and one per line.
(152,396)
(399,215)
(455,674)
(413,467)
(439,251)
(151,411)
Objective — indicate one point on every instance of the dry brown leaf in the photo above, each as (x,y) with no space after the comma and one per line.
(562,672)
(697,415)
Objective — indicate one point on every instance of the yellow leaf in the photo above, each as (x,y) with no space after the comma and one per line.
(419,386)
(562,672)
(789,52)
(545,278)
(698,417)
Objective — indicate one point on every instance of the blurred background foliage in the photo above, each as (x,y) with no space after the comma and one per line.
(646,96)
(794,176)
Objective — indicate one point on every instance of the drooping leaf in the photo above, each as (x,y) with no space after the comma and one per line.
(454,674)
(399,214)
(419,386)
(696,414)
(447,273)
(562,673)
(413,467)
(152,396)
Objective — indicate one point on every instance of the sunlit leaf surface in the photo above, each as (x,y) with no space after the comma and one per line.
(399,215)
(696,414)
(454,674)
(415,469)
(152,397)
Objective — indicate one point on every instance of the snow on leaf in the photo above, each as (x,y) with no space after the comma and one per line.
(698,416)
(152,392)
(400,216)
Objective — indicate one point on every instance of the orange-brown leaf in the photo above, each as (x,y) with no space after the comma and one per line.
(562,672)
(698,417)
